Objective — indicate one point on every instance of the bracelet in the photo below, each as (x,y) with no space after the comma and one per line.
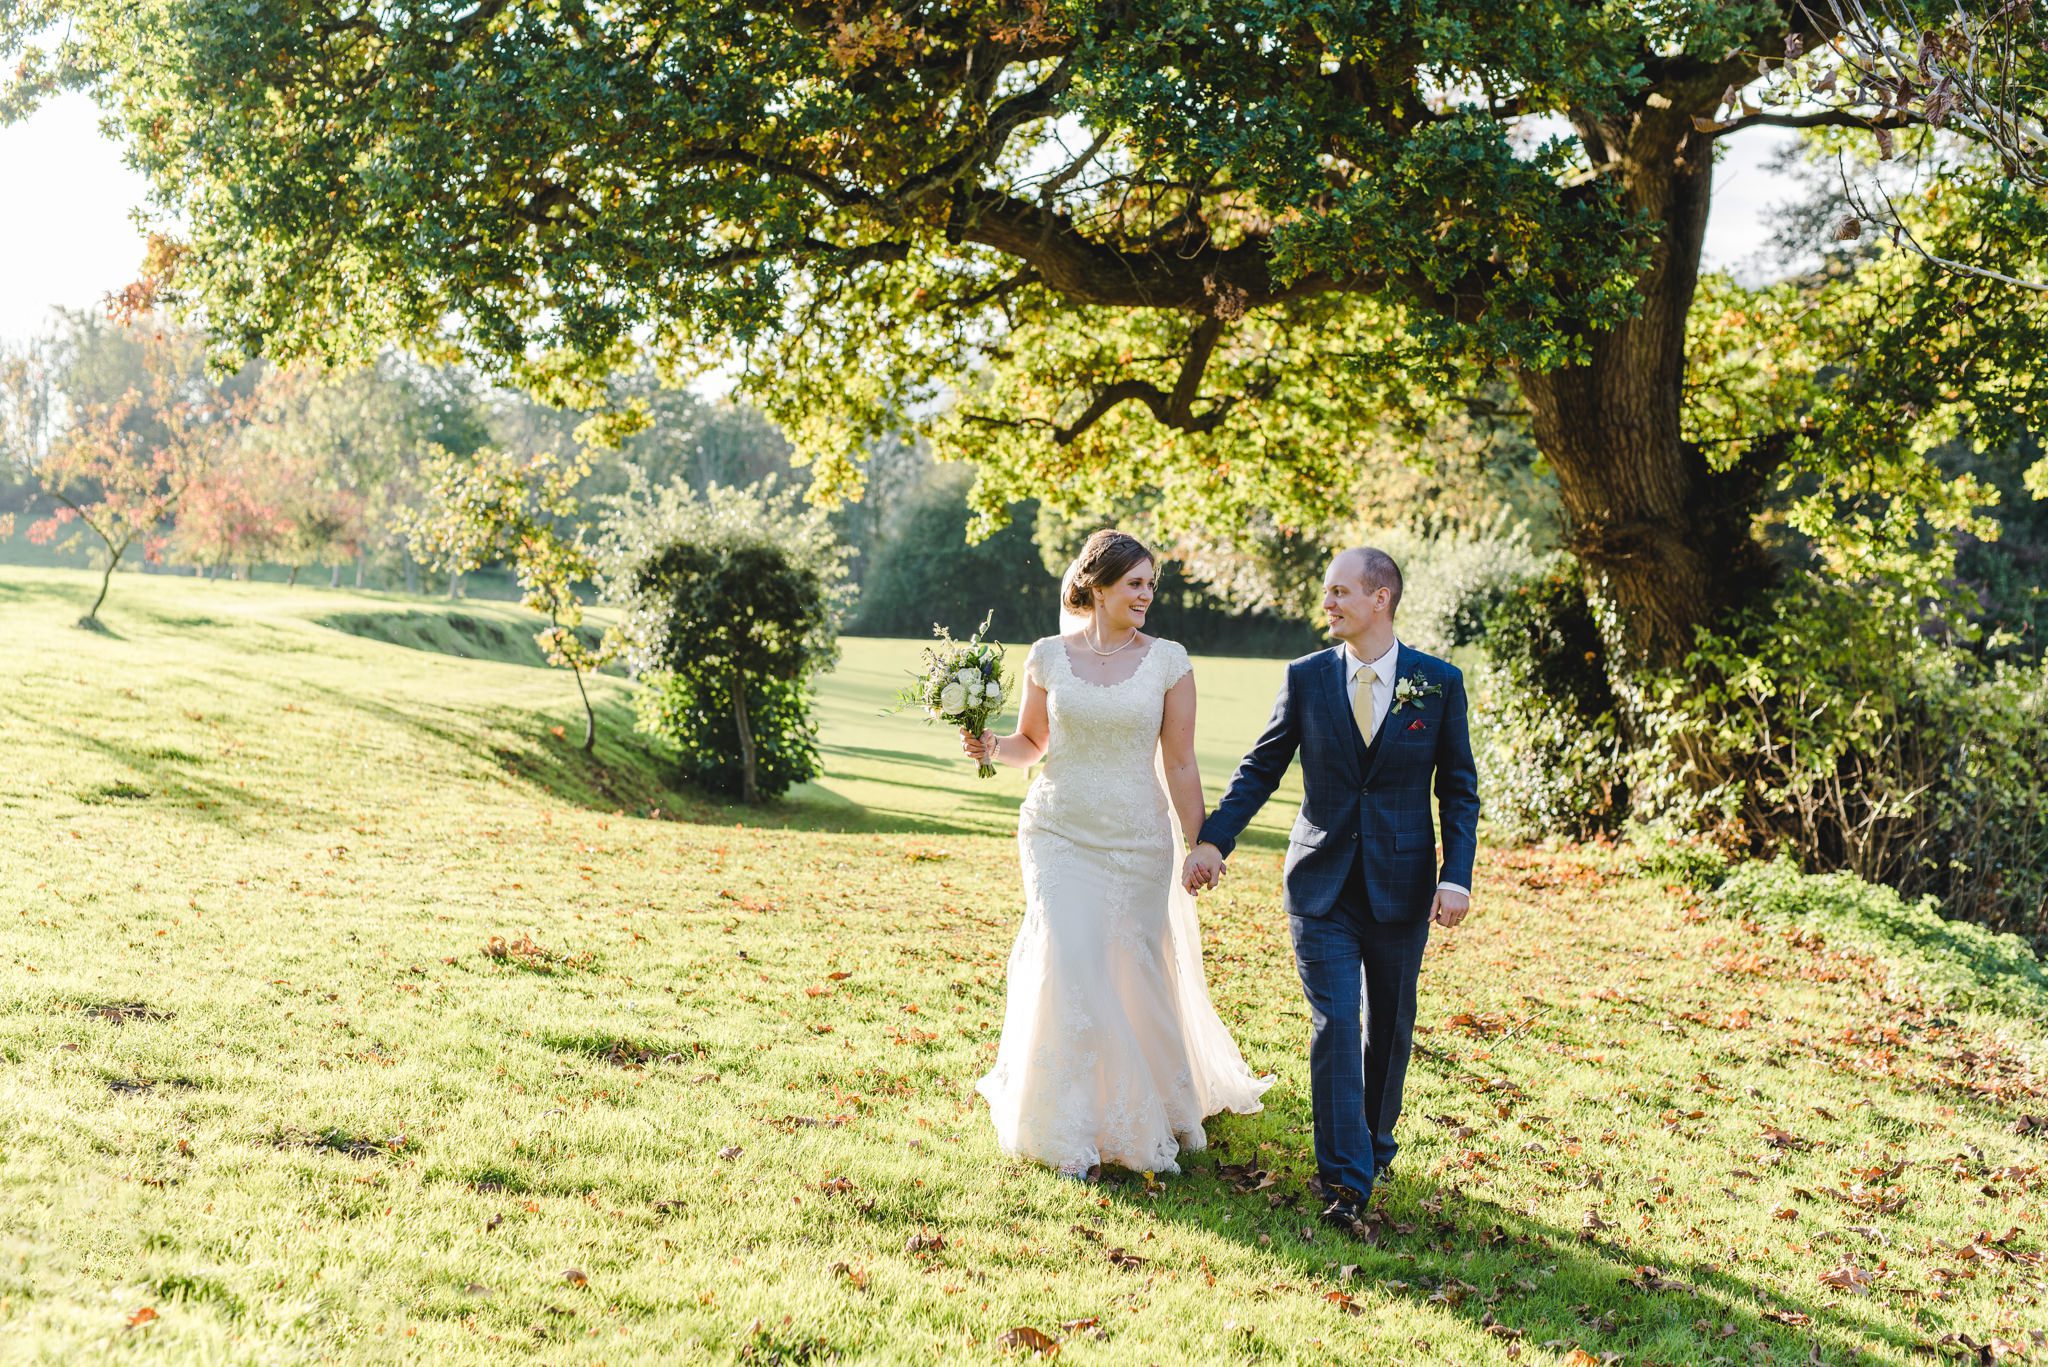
(995,747)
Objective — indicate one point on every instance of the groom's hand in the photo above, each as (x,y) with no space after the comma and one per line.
(1449,908)
(1203,869)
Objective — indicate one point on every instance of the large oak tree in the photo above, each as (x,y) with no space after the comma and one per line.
(1193,247)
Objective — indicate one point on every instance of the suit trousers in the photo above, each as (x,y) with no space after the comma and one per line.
(1359,976)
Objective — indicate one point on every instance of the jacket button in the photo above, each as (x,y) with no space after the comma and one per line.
(1354,835)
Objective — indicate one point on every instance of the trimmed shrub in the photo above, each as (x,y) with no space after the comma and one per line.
(730,611)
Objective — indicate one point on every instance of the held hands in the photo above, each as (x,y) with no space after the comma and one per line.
(1449,907)
(1203,869)
(981,748)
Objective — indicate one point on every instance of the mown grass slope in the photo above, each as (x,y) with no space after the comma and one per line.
(352,1015)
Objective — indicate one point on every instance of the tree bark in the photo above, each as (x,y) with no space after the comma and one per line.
(92,614)
(1665,542)
(749,792)
(291,578)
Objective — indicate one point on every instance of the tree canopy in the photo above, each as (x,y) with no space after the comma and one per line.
(1201,250)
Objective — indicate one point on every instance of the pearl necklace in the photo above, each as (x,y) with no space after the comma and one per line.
(1105,654)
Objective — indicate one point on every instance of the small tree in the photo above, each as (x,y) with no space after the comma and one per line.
(109,481)
(495,506)
(230,516)
(731,603)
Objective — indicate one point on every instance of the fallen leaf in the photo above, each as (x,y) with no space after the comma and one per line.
(575,1277)
(730,1152)
(1851,1278)
(922,1242)
(146,1315)
(1024,1336)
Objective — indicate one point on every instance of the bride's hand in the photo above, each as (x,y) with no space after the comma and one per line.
(981,748)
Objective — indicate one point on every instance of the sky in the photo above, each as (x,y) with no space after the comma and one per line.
(78,241)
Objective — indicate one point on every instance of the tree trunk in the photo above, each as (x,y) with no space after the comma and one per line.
(92,614)
(291,578)
(412,574)
(361,561)
(454,585)
(334,576)
(1665,542)
(749,793)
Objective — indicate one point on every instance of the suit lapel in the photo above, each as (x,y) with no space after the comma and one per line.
(1403,663)
(1336,687)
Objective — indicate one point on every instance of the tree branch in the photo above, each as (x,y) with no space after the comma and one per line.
(1827,118)
(1174,409)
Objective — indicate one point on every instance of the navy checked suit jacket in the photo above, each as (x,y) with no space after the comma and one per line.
(1355,806)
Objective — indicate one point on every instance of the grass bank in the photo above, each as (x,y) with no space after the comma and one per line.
(352,1015)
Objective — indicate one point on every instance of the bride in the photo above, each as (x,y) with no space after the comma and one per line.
(1111,1050)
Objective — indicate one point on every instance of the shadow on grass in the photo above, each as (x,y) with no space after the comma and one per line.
(452,631)
(909,757)
(627,775)
(1463,1253)
(218,802)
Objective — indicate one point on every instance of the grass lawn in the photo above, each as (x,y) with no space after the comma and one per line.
(350,1014)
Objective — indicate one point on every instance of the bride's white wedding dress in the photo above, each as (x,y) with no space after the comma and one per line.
(1111,1050)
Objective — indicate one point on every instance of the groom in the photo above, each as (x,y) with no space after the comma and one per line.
(1377,725)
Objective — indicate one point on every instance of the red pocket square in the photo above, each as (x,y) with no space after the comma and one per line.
(1418,725)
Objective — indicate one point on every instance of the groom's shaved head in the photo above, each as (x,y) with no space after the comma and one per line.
(1372,569)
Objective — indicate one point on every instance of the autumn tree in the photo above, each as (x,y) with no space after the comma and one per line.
(231,517)
(117,469)
(1202,250)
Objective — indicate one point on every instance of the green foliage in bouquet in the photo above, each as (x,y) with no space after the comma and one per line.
(962,682)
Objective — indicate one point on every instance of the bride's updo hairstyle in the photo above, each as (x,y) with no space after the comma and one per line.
(1107,557)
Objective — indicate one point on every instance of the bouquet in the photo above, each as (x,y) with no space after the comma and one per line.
(961,682)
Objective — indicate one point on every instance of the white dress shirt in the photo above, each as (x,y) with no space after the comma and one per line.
(1378,675)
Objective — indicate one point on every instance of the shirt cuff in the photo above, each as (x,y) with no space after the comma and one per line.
(1453,887)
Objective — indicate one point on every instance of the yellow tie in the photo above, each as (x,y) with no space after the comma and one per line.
(1361,702)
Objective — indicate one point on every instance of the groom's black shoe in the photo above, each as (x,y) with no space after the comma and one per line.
(1345,1213)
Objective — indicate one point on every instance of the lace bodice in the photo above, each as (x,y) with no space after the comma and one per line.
(1100,738)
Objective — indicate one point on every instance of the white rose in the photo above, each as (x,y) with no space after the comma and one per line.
(968,675)
(974,690)
(953,698)
(994,692)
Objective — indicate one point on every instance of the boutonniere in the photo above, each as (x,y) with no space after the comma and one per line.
(1414,689)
